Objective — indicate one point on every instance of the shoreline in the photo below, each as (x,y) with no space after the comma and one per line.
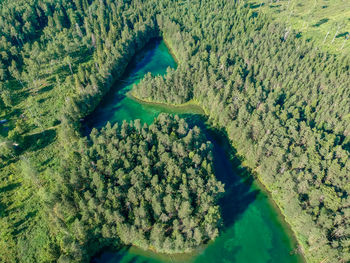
(274,202)
(171,50)
(194,107)
(258,182)
(191,104)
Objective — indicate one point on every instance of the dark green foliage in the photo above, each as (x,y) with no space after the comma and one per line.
(284,105)
(152,187)
(62,65)
(159,88)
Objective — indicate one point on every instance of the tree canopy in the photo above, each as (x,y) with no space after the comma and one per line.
(283,103)
(149,186)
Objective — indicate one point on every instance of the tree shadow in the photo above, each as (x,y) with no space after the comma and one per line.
(39,141)
(342,34)
(46,89)
(256,5)
(321,22)
(228,169)
(101,116)
(346,147)
(47,161)
(2,209)
(275,6)
(20,96)
(3,206)
(109,255)
(20,226)
(9,187)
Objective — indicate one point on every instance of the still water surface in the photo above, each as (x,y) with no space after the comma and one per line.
(253,231)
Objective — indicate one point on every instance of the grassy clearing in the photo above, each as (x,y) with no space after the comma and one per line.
(21,219)
(327,22)
(38,103)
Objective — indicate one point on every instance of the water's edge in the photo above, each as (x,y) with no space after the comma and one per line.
(190,106)
(295,238)
(194,107)
(259,182)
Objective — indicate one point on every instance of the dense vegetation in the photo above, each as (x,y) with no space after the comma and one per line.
(283,103)
(148,186)
(66,56)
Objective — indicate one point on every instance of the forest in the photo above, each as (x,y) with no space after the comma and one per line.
(283,103)
(152,187)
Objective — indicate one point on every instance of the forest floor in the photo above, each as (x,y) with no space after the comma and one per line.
(39,105)
(327,22)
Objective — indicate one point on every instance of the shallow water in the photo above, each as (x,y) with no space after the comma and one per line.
(252,231)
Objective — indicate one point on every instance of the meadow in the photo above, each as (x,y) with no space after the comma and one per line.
(327,22)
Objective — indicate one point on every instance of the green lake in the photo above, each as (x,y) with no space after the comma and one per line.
(253,230)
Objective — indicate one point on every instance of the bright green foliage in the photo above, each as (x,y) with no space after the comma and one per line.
(41,44)
(283,103)
(324,22)
(152,187)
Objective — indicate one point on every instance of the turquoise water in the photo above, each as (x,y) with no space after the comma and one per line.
(252,229)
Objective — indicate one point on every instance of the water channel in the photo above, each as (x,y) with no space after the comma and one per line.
(253,230)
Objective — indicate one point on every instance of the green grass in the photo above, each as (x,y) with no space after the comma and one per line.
(313,19)
(20,216)
(23,230)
